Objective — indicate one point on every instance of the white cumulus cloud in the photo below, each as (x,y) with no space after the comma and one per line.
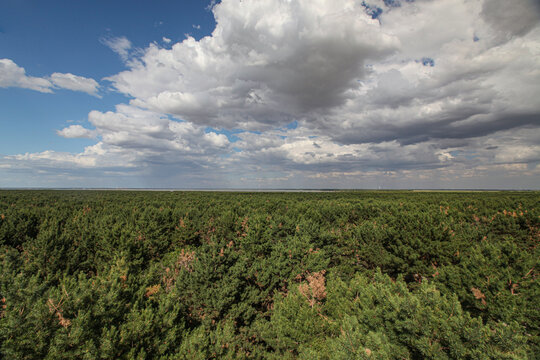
(256,70)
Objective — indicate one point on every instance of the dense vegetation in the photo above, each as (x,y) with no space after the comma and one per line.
(337,275)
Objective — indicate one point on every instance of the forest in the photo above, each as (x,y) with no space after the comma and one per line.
(268,275)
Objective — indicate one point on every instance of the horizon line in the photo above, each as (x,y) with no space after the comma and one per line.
(261,189)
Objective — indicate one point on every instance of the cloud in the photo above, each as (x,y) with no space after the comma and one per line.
(329,94)
(11,75)
(337,69)
(257,71)
(120,45)
(75,83)
(134,129)
(76,131)
(166,40)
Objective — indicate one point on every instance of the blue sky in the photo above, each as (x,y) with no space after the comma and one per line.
(270,94)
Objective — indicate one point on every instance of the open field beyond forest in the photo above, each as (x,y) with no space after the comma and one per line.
(330,275)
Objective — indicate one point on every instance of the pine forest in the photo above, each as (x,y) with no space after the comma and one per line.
(269,275)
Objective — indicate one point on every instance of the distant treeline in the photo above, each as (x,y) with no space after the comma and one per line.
(225,275)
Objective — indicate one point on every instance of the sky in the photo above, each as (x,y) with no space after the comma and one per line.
(270,94)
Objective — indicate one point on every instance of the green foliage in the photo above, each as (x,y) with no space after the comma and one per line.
(382,318)
(335,275)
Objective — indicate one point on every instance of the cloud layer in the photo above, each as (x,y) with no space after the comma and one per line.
(322,93)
